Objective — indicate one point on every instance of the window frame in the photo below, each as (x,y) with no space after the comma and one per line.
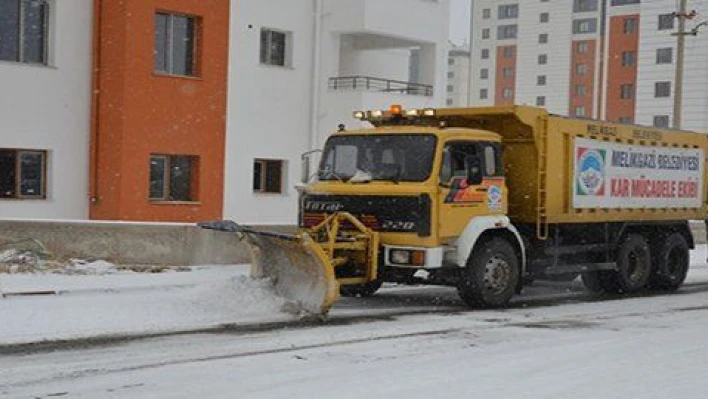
(662,84)
(18,174)
(662,19)
(287,48)
(661,54)
(627,91)
(263,181)
(195,64)
(21,34)
(167,179)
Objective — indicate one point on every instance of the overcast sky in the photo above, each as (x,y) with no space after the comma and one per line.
(460,20)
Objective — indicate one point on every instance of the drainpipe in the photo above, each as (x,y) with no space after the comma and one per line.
(316,72)
(95,105)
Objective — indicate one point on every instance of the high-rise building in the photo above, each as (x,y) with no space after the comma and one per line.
(458,75)
(605,59)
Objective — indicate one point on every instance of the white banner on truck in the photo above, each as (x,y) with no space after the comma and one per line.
(612,175)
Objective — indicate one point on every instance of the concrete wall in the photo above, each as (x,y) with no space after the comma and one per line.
(171,244)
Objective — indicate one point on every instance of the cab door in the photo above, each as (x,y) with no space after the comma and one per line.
(471,184)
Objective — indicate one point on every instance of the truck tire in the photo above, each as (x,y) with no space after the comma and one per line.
(491,276)
(671,261)
(634,264)
(360,290)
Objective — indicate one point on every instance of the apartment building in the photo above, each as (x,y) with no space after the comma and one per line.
(458,75)
(185,110)
(606,59)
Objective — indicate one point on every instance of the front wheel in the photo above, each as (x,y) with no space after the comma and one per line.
(491,276)
(361,290)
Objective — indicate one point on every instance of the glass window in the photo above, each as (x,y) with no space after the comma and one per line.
(629,58)
(399,157)
(173,177)
(483,94)
(490,161)
(508,72)
(661,121)
(540,101)
(542,59)
(588,25)
(666,21)
(544,17)
(486,13)
(581,90)
(450,88)
(174,44)
(275,47)
(484,73)
(485,33)
(268,176)
(582,47)
(507,32)
(23,30)
(630,26)
(449,101)
(541,80)
(508,51)
(451,75)
(543,38)
(664,55)
(662,89)
(485,53)
(580,111)
(584,5)
(581,69)
(509,11)
(627,91)
(22,174)
(507,93)
(624,2)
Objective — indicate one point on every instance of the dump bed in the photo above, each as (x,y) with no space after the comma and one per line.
(564,170)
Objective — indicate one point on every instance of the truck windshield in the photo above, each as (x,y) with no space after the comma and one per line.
(363,158)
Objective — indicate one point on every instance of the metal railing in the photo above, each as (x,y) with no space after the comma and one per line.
(368,83)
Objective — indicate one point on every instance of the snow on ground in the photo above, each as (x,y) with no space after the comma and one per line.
(99,304)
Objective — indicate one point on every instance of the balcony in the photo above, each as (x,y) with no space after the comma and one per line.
(368,83)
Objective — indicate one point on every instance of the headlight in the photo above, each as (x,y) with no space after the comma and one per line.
(400,257)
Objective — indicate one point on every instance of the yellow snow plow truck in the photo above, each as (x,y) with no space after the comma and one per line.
(484,200)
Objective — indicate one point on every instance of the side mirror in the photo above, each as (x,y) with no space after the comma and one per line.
(474,170)
(306,165)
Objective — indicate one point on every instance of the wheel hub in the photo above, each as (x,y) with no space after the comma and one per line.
(497,273)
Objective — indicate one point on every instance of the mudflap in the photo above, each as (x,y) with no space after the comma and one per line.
(299,270)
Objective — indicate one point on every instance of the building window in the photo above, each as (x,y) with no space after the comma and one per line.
(173,177)
(484,73)
(584,5)
(22,174)
(485,33)
(627,91)
(449,101)
(662,89)
(628,120)
(485,53)
(666,21)
(580,90)
(508,72)
(508,52)
(507,93)
(580,111)
(24,31)
(664,55)
(486,13)
(542,59)
(541,80)
(174,44)
(483,94)
(588,25)
(268,176)
(450,61)
(624,2)
(543,38)
(661,121)
(451,75)
(507,32)
(509,11)
(544,17)
(276,48)
(582,47)
(540,101)
(581,69)
(630,26)
(629,58)
(450,88)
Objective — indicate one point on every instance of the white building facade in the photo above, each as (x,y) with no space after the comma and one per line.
(458,75)
(612,60)
(296,70)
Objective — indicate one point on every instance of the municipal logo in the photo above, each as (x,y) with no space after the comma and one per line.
(494,197)
(590,164)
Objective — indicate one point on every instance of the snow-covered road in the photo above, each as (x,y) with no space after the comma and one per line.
(633,347)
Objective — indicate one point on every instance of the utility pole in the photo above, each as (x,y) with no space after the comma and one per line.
(682,15)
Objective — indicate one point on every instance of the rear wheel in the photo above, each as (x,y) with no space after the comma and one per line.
(491,276)
(671,262)
(633,264)
(360,290)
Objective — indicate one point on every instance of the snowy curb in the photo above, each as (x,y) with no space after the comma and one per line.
(96,290)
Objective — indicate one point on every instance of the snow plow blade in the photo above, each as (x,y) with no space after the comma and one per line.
(298,268)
